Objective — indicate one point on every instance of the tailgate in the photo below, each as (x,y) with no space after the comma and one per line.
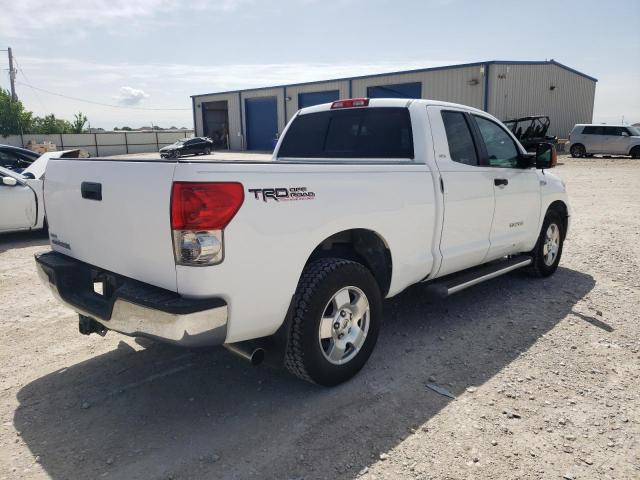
(114,215)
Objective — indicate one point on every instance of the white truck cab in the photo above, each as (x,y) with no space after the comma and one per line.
(363,198)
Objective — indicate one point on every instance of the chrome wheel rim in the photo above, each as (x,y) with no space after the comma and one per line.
(344,325)
(551,245)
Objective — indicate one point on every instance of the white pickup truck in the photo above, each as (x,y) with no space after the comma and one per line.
(290,258)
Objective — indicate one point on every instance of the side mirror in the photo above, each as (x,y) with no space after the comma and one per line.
(546,156)
(9,181)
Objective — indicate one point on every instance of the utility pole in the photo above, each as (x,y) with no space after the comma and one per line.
(12,77)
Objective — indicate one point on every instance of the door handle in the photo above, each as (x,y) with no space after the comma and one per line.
(91,190)
(500,182)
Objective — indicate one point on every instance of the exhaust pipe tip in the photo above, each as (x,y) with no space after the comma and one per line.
(255,355)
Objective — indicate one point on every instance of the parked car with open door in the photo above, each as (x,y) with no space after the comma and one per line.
(21,194)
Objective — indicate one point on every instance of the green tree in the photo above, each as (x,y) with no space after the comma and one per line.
(79,120)
(14,118)
(49,124)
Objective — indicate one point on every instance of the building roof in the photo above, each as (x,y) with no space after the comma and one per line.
(419,70)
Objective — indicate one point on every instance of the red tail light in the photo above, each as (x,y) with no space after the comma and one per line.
(204,205)
(350,103)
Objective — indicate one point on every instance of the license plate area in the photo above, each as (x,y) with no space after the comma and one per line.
(104,283)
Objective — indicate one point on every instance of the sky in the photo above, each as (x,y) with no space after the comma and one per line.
(139,61)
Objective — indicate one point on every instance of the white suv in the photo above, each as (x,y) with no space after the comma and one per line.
(585,140)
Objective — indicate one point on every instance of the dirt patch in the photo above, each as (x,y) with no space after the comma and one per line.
(544,375)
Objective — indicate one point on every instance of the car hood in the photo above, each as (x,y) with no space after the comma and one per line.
(38,167)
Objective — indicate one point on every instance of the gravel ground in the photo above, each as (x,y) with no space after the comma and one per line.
(544,375)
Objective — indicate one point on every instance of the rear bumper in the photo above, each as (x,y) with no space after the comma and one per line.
(131,307)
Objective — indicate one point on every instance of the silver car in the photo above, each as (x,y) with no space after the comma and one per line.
(586,140)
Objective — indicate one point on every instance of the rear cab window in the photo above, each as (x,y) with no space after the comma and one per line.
(353,133)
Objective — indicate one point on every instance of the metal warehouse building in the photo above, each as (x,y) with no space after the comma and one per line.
(250,119)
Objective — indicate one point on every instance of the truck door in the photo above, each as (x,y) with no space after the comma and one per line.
(467,189)
(516,188)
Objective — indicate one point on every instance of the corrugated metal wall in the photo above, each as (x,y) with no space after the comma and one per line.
(522,90)
(515,90)
(459,85)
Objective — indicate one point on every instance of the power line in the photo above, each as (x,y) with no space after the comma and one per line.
(100,103)
(45,109)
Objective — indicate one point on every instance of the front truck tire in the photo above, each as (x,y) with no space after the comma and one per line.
(334,321)
(548,250)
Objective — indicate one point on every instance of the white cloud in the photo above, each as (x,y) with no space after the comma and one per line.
(130,96)
(211,78)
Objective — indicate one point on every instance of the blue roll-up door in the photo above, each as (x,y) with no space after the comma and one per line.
(310,99)
(262,122)
(399,90)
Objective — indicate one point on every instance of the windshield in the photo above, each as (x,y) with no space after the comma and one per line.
(181,141)
(635,131)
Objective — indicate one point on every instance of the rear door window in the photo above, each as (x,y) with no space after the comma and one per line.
(461,146)
(612,131)
(350,133)
(593,130)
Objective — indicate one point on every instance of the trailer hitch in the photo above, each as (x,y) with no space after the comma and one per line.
(88,325)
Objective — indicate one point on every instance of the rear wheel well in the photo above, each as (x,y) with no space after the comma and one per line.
(560,208)
(362,246)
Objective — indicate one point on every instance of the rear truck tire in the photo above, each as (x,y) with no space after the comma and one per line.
(578,150)
(635,152)
(334,321)
(548,250)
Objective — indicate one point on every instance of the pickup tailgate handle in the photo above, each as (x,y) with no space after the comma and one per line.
(91,190)
(500,182)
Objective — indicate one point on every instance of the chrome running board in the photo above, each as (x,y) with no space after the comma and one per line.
(454,283)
